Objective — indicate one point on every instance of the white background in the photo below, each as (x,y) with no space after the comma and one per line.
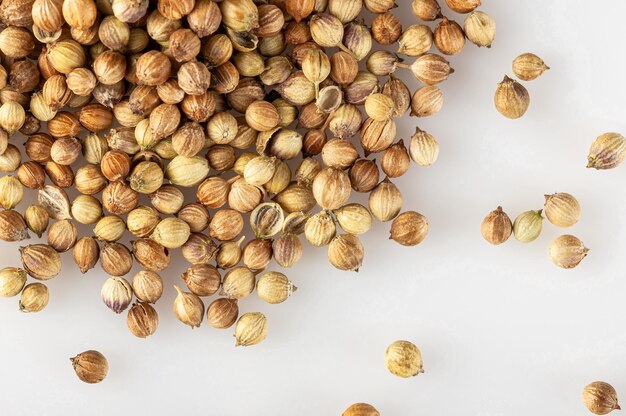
(502,330)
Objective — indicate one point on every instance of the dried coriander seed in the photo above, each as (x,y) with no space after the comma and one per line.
(562,209)
(600,398)
(497,227)
(607,151)
(567,251)
(90,366)
(512,98)
(529,66)
(361,409)
(403,359)
(251,329)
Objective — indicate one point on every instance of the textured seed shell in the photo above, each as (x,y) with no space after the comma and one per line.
(274,287)
(142,320)
(41,261)
(496,228)
(90,366)
(403,359)
(529,66)
(346,252)
(527,226)
(511,98)
(480,28)
(409,228)
(251,329)
(267,219)
(222,313)
(55,201)
(361,409)
(607,151)
(600,398)
(567,251)
(188,308)
(562,209)
(12,281)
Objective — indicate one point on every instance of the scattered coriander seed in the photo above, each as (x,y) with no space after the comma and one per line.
(34,298)
(251,329)
(409,228)
(361,409)
(12,281)
(497,227)
(403,359)
(346,252)
(607,151)
(600,398)
(142,320)
(188,308)
(274,287)
(222,313)
(480,29)
(529,66)
(512,98)
(116,294)
(562,209)
(527,226)
(567,251)
(90,366)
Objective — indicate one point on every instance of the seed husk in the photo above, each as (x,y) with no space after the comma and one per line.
(34,298)
(403,359)
(222,313)
(90,366)
(142,320)
(527,226)
(607,152)
(251,329)
(562,209)
(512,98)
(529,66)
(12,281)
(600,398)
(361,409)
(497,227)
(188,308)
(274,287)
(409,228)
(567,251)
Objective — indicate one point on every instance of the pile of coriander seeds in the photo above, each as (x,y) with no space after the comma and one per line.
(274,113)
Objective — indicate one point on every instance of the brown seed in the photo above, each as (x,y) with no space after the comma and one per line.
(395,161)
(385,201)
(147,286)
(41,261)
(463,6)
(62,235)
(86,253)
(150,254)
(562,209)
(142,320)
(427,10)
(12,226)
(34,298)
(202,279)
(188,308)
(511,98)
(427,101)
(529,66)
(346,252)
(600,398)
(497,227)
(431,69)
(386,29)
(115,259)
(449,37)
(409,228)
(222,313)
(361,409)
(567,251)
(90,366)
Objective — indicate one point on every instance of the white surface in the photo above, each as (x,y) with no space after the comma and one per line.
(502,330)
